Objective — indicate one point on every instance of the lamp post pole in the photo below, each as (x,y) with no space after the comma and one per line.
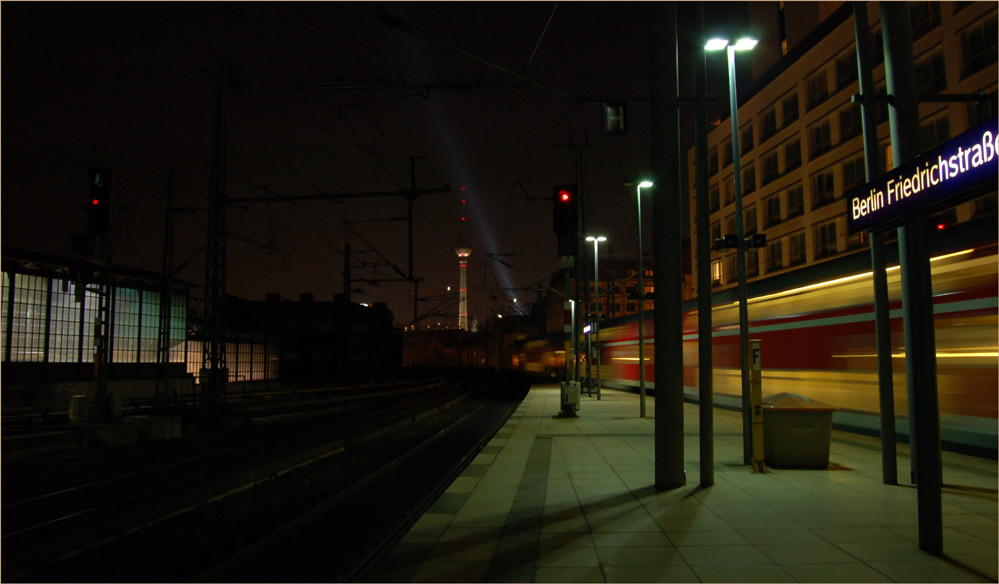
(740,253)
(641,306)
(740,260)
(596,293)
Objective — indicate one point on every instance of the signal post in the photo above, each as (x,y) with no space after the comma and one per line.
(565,219)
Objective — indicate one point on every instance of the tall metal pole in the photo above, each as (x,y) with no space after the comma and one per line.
(214,374)
(163,332)
(917,292)
(641,311)
(667,248)
(740,259)
(705,370)
(882,320)
(596,294)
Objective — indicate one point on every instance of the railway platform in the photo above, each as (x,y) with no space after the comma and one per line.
(573,500)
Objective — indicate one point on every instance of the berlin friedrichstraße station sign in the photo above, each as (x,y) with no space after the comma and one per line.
(953,168)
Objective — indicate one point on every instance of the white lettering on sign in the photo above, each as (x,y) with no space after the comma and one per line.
(932,173)
(614,119)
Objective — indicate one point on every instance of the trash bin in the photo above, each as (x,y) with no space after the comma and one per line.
(796,431)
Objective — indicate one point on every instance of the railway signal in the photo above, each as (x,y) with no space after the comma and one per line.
(99,201)
(565,209)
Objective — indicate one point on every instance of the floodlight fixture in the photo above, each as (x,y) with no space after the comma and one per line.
(716,44)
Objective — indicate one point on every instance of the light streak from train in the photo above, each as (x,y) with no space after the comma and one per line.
(842,280)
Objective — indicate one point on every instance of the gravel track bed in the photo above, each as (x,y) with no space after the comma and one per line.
(180,548)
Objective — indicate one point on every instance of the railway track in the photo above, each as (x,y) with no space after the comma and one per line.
(207,502)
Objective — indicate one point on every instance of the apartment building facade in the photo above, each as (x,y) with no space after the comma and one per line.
(801,138)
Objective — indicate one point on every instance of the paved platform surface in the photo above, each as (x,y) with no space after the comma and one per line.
(573,500)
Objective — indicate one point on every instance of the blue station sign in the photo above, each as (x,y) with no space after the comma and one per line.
(955,167)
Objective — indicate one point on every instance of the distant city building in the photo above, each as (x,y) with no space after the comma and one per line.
(320,341)
(48,309)
(619,295)
(801,141)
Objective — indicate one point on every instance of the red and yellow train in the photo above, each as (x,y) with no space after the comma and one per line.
(817,331)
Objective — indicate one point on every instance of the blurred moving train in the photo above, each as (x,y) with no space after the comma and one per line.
(818,340)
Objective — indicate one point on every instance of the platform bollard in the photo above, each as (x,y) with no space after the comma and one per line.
(756,398)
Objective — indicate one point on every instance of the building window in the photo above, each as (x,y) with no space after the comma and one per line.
(775,256)
(982,110)
(149,326)
(925,17)
(29,312)
(716,273)
(715,231)
(935,131)
(752,263)
(771,168)
(746,140)
(730,225)
(849,122)
(931,75)
(825,239)
(126,325)
(732,268)
(712,162)
(64,323)
(817,90)
(795,201)
(768,124)
(857,240)
(985,206)
(854,174)
(846,69)
(877,45)
(978,46)
(823,192)
(821,139)
(730,192)
(772,216)
(749,179)
(726,148)
(749,220)
(790,109)
(792,155)
(796,248)
(714,200)
(882,105)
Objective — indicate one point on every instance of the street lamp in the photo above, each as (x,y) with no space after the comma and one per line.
(641,302)
(596,293)
(743,44)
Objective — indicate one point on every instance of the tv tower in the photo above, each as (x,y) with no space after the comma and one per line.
(463,249)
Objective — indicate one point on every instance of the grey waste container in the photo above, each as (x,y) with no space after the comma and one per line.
(796,431)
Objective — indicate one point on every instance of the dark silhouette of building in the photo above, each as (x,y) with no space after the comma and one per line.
(321,341)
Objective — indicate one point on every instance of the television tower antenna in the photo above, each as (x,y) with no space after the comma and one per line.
(464,250)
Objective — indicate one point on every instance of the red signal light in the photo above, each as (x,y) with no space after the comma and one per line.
(564,195)
(941,226)
(95,202)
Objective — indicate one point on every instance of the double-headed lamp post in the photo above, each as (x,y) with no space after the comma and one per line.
(641,300)
(743,44)
(596,294)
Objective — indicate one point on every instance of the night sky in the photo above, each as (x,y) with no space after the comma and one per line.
(129,86)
